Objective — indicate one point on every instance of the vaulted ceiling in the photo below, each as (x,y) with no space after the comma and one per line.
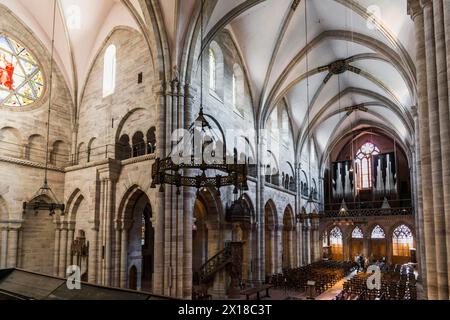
(375,38)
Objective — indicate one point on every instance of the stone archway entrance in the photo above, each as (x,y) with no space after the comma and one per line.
(138,238)
(288,238)
(270,238)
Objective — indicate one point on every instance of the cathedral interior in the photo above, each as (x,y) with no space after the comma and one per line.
(218,149)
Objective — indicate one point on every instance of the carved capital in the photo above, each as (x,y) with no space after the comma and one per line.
(425,3)
(414,8)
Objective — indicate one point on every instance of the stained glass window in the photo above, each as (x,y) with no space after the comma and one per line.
(364,164)
(21,80)
(378,233)
(357,233)
(402,241)
(336,236)
(336,243)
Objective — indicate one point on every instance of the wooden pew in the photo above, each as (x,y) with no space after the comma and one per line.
(249,292)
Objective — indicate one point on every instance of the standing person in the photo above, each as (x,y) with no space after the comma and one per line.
(363,263)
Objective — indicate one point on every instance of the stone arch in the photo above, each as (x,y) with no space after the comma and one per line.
(270,237)
(250,247)
(81,153)
(10,142)
(123,148)
(138,144)
(151,140)
(288,240)
(70,201)
(59,155)
(135,218)
(92,150)
(207,233)
(128,117)
(36,147)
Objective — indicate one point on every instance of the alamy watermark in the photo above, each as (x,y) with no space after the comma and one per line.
(73,274)
(241,146)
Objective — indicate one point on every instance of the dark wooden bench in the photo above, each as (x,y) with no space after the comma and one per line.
(249,292)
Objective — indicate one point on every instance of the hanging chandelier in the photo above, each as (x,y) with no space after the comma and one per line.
(199,159)
(198,152)
(45,198)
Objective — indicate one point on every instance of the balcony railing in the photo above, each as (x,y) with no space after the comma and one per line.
(369,209)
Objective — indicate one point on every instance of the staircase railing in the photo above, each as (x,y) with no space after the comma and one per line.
(217,263)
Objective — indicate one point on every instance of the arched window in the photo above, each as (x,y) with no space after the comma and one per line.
(138,144)
(151,140)
(378,233)
(212,70)
(402,241)
(364,164)
(336,237)
(336,244)
(109,71)
(21,80)
(357,233)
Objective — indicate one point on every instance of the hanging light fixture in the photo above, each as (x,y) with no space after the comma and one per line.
(200,153)
(45,198)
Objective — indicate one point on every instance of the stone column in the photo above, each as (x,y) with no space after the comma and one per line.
(70,238)
(13,238)
(124,253)
(108,232)
(188,204)
(444,118)
(389,249)
(425,155)
(63,250)
(435,149)
(94,254)
(159,265)
(299,252)
(366,242)
(418,202)
(57,248)
(4,251)
(108,176)
(117,253)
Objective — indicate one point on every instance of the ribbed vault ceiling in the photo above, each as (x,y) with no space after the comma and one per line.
(271,37)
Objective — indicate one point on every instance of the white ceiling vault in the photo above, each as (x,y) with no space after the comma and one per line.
(376,36)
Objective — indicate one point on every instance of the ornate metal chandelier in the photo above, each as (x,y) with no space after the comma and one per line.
(196,153)
(198,159)
(45,192)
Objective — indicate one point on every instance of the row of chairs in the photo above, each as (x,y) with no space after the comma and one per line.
(398,283)
(325,274)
